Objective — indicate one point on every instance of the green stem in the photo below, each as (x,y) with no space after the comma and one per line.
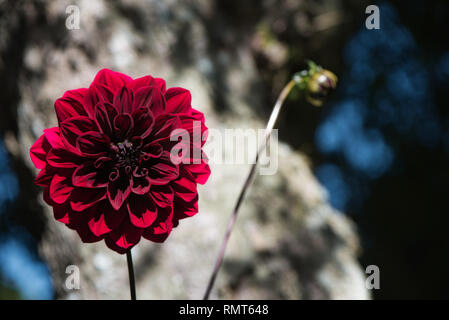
(132,282)
(271,122)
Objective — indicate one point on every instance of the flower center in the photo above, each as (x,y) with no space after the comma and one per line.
(126,154)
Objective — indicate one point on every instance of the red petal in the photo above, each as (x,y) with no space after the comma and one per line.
(38,154)
(144,96)
(159,83)
(140,185)
(61,158)
(163,171)
(72,128)
(87,176)
(164,126)
(123,100)
(60,189)
(183,209)
(178,100)
(84,198)
(61,213)
(66,215)
(146,81)
(138,83)
(162,195)
(71,104)
(105,219)
(93,143)
(43,178)
(123,126)
(162,227)
(124,237)
(142,211)
(143,122)
(105,114)
(111,79)
(53,138)
(153,150)
(201,172)
(119,190)
(86,235)
(98,93)
(184,188)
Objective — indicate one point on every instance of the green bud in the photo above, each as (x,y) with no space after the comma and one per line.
(319,85)
(316,83)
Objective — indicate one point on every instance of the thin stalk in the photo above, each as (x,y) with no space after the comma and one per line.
(132,281)
(271,122)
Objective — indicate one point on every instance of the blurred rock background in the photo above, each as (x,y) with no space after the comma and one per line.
(374,146)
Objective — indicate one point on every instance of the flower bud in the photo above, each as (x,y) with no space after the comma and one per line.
(319,85)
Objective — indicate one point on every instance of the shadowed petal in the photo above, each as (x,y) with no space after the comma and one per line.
(105,114)
(111,79)
(143,122)
(71,104)
(84,198)
(123,100)
(152,150)
(44,177)
(183,209)
(163,171)
(105,218)
(164,126)
(184,188)
(72,128)
(178,100)
(53,138)
(201,171)
(142,211)
(123,126)
(60,189)
(162,195)
(124,237)
(87,176)
(162,227)
(38,154)
(93,143)
(119,190)
(140,182)
(86,234)
(138,83)
(61,158)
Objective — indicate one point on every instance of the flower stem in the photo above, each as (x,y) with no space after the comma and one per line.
(271,122)
(132,282)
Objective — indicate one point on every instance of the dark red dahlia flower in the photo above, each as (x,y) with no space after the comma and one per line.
(108,169)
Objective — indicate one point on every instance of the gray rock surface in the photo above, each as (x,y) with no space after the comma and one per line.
(288,242)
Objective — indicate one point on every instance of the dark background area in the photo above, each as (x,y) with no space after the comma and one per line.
(381,144)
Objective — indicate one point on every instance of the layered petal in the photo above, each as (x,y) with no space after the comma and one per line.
(118,190)
(60,188)
(163,170)
(111,79)
(71,104)
(124,237)
(178,100)
(105,218)
(142,211)
(87,176)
